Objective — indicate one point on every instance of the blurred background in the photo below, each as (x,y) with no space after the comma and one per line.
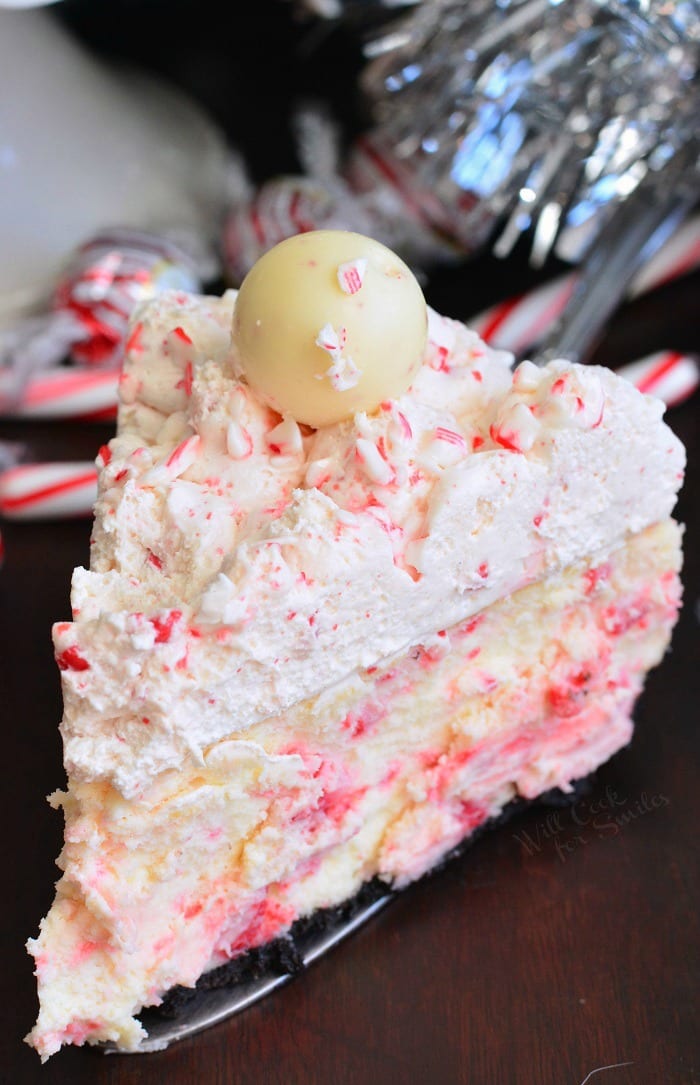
(489,144)
(248,64)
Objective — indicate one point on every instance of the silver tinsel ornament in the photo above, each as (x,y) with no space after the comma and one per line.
(533,116)
(494,119)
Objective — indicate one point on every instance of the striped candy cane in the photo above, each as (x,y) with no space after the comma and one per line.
(520,321)
(48,491)
(75,392)
(667,374)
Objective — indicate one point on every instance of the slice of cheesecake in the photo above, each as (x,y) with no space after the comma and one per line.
(311,651)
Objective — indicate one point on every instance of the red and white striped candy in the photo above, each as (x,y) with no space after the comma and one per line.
(518,322)
(678,256)
(671,376)
(282,208)
(107,277)
(48,491)
(390,184)
(75,392)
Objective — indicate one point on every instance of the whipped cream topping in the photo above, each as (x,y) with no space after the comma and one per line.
(241,562)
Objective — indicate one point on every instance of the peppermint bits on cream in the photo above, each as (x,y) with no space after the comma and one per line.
(342,373)
(323,297)
(351,276)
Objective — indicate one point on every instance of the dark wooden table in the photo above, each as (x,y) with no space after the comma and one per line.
(564,942)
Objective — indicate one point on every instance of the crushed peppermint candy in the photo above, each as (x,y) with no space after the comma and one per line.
(331,340)
(568,397)
(285,439)
(447,447)
(184,455)
(375,466)
(515,427)
(450,436)
(351,275)
(343,373)
(175,463)
(239,443)
(527,377)
(319,472)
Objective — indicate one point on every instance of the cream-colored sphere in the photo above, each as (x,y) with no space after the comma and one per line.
(329,323)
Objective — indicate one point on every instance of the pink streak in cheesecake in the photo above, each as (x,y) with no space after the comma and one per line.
(86,949)
(78,1031)
(164,625)
(270,918)
(364,718)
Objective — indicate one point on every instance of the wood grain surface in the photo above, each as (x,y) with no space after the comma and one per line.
(561,949)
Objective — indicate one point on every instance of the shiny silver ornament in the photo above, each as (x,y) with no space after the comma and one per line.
(534,116)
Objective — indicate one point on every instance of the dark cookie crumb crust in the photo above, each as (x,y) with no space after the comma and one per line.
(282,956)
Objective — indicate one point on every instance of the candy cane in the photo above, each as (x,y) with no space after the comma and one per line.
(518,322)
(671,376)
(75,392)
(46,491)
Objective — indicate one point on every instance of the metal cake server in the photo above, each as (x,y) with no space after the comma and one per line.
(637,230)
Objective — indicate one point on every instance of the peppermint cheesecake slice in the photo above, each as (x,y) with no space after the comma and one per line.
(354,587)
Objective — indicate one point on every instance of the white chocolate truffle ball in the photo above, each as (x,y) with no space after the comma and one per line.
(329,323)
